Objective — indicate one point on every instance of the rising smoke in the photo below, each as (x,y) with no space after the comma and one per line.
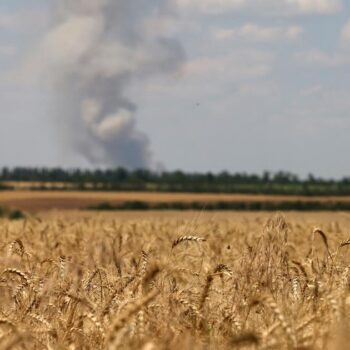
(93,50)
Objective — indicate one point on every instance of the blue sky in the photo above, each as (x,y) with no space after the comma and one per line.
(265,86)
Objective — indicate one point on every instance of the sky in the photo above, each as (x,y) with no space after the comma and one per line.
(258,85)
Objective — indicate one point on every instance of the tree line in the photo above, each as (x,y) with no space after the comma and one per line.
(121,179)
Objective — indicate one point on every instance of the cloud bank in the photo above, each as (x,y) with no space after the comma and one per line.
(282,7)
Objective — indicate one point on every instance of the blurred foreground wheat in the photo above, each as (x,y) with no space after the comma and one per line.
(104,284)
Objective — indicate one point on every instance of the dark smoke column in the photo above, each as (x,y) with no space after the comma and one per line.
(93,51)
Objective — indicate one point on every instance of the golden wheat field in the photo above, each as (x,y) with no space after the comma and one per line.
(34,201)
(178,281)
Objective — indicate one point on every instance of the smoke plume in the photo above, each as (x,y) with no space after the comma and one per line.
(93,50)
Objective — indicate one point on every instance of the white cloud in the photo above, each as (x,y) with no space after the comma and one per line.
(345,35)
(212,6)
(258,89)
(336,58)
(316,6)
(238,65)
(254,32)
(284,7)
(311,91)
(242,73)
(168,26)
(322,58)
(23,20)
(294,32)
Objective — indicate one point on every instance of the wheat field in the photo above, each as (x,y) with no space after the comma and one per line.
(100,282)
(34,201)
